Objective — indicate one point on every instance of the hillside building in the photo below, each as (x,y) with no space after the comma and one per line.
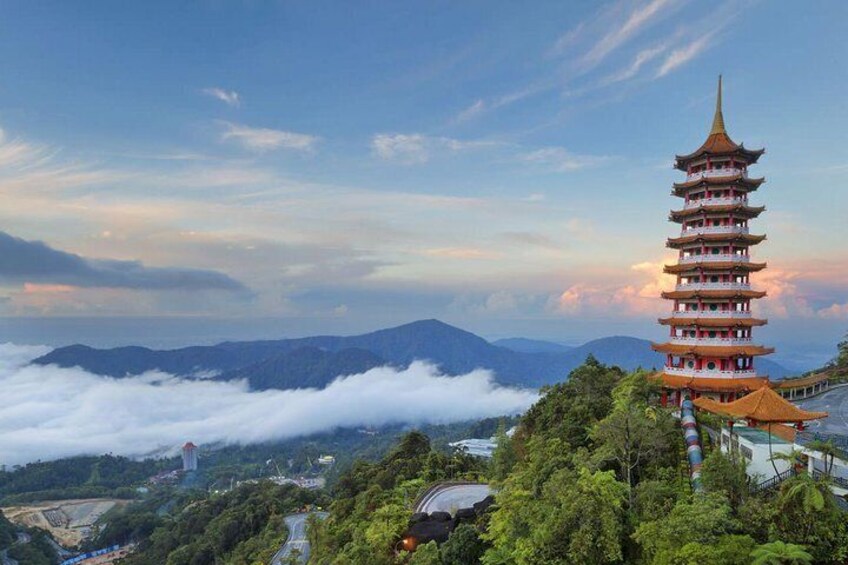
(189,457)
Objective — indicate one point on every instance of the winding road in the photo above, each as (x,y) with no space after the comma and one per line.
(835,402)
(296,523)
(451,497)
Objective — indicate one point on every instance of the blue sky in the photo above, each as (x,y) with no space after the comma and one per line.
(345,166)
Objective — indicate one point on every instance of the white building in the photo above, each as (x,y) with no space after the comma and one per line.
(480,447)
(752,444)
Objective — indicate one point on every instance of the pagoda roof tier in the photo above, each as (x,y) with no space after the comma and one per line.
(741,211)
(713,266)
(707,384)
(718,143)
(737,180)
(728,293)
(745,238)
(762,405)
(714,322)
(712,351)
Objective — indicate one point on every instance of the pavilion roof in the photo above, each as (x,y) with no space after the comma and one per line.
(714,322)
(712,384)
(802,382)
(712,350)
(713,266)
(762,405)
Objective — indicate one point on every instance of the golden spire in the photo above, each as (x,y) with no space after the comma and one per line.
(718,120)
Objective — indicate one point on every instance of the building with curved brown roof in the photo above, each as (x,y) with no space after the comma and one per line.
(710,349)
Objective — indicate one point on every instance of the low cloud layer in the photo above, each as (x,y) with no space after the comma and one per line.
(36,262)
(49,412)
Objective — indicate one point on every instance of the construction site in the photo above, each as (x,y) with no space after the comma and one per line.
(68,521)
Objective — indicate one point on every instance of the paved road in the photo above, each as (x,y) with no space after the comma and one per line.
(296,524)
(450,498)
(834,402)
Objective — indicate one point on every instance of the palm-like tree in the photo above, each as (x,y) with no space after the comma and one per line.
(829,451)
(803,493)
(779,553)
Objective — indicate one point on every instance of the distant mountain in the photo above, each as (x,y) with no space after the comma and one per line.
(524,345)
(305,367)
(310,361)
(124,361)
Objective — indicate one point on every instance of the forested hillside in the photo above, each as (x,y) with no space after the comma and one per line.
(78,477)
(595,474)
(242,527)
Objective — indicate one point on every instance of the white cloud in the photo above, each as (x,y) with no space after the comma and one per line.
(406,148)
(228,97)
(684,54)
(266,139)
(49,412)
(562,160)
(413,148)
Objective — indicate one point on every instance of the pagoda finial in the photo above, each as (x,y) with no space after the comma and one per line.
(718,120)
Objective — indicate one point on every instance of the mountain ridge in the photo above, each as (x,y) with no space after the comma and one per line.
(274,363)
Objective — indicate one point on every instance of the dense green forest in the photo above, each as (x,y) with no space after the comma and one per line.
(595,474)
(372,501)
(112,476)
(242,527)
(77,477)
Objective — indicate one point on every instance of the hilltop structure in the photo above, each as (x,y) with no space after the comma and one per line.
(189,457)
(711,349)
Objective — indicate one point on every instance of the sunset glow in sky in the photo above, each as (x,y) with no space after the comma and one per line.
(347,166)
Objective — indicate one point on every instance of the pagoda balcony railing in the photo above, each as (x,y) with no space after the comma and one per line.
(731,314)
(711,340)
(713,286)
(726,201)
(719,258)
(713,229)
(714,374)
(713,173)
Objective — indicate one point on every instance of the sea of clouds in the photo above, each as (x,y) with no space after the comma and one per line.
(47,412)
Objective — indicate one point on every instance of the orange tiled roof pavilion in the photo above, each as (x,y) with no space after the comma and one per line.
(764,406)
(710,348)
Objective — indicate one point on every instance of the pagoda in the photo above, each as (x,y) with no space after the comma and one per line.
(710,351)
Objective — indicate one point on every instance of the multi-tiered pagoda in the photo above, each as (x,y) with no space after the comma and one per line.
(710,350)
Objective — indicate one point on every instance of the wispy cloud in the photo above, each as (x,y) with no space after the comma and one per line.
(642,57)
(477,107)
(415,148)
(637,20)
(265,139)
(684,54)
(560,159)
(228,97)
